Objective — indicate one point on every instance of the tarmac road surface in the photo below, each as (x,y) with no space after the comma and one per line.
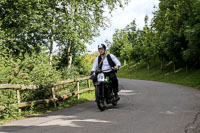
(144,107)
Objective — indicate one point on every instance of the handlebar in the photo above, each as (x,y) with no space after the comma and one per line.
(112,70)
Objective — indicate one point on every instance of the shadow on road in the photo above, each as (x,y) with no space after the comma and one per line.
(61,123)
(80,116)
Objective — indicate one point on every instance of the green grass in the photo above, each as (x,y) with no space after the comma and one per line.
(191,78)
(84,97)
(46,108)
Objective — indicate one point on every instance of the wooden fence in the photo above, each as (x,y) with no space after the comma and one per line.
(53,86)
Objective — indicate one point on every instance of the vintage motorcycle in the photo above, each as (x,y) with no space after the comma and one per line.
(103,91)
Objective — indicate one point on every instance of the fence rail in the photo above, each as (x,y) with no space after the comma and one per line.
(53,86)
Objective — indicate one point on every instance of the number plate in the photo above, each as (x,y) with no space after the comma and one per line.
(100,77)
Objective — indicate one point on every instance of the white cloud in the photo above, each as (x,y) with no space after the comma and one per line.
(136,9)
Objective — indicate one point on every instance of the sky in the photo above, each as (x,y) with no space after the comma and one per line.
(136,9)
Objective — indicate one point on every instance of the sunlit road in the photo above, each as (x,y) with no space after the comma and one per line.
(145,107)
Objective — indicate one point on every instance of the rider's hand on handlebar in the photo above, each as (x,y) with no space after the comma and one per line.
(116,68)
(91,72)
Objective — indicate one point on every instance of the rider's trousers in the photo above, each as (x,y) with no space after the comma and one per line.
(113,78)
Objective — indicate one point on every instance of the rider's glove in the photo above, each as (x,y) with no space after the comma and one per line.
(116,67)
(91,72)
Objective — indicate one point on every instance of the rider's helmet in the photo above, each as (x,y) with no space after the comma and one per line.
(101,46)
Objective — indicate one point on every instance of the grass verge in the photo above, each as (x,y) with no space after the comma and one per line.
(46,108)
(191,78)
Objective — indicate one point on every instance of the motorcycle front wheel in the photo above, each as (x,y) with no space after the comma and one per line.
(114,103)
(99,100)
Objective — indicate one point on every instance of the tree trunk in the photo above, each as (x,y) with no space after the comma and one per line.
(174,66)
(70,55)
(136,66)
(148,65)
(161,65)
(69,61)
(51,42)
(186,67)
(124,62)
(51,51)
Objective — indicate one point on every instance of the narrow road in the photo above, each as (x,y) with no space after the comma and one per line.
(145,107)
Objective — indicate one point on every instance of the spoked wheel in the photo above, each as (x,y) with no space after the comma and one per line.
(100,101)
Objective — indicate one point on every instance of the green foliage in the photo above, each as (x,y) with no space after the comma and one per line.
(147,41)
(137,50)
(173,36)
(173,23)
(192,28)
(117,44)
(9,113)
(71,73)
(33,69)
(26,70)
(22,25)
(82,64)
(125,51)
(31,25)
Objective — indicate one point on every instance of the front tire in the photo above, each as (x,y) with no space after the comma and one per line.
(99,100)
(114,103)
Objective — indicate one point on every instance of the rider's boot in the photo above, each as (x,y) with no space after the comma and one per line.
(117,98)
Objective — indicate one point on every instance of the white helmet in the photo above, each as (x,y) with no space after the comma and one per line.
(102,46)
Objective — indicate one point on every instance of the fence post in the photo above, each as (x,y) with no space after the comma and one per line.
(53,95)
(19,100)
(78,88)
(88,83)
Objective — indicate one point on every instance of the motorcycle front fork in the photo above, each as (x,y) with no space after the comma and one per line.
(105,93)
(102,90)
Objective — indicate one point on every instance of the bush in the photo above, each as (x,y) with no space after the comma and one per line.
(28,70)
(71,73)
(33,69)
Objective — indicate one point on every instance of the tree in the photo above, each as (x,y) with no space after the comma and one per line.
(2,34)
(147,42)
(116,46)
(191,54)
(130,29)
(81,24)
(169,27)
(126,49)
(22,25)
(33,25)
(137,50)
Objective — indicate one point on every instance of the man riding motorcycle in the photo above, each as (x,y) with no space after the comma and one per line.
(109,64)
